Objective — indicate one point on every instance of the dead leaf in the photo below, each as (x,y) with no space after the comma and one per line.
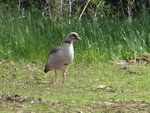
(108,88)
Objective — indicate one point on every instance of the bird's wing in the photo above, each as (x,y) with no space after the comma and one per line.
(51,58)
(54,50)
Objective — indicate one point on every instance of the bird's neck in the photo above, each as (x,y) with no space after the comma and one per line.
(68,42)
(68,47)
(68,51)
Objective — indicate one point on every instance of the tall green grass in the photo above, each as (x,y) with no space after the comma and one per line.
(29,36)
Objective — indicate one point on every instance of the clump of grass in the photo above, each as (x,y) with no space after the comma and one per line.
(29,36)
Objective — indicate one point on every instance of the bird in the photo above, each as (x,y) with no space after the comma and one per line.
(61,56)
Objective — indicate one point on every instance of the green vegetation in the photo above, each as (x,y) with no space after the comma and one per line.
(94,82)
(99,87)
(31,37)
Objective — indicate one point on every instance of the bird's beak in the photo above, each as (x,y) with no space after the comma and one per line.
(78,38)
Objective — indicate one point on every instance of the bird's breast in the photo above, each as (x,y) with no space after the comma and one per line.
(68,53)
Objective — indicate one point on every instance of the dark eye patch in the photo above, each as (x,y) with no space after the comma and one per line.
(74,35)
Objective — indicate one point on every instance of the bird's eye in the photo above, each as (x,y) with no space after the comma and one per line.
(74,36)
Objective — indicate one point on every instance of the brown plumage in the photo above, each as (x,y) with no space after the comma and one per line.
(60,57)
(53,51)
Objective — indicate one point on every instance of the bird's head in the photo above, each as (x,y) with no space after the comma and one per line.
(71,37)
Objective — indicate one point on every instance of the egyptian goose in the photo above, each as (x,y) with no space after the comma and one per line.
(60,57)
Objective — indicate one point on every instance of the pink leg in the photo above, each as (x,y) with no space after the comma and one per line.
(56,76)
(64,77)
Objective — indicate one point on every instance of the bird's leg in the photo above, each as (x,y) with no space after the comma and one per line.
(64,77)
(55,77)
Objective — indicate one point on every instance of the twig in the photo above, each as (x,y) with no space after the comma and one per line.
(129,8)
(19,4)
(84,9)
(61,6)
(101,2)
(122,8)
(70,10)
(49,12)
